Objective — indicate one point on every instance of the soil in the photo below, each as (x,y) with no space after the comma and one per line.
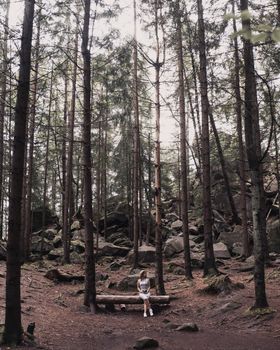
(63,323)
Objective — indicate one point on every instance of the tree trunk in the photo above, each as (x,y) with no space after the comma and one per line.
(104,170)
(68,196)
(136,160)
(183,146)
(277,166)
(90,288)
(3,82)
(209,265)
(149,228)
(47,155)
(158,234)
(252,135)
(241,152)
(13,327)
(28,214)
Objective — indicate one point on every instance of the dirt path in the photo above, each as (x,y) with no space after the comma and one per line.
(63,324)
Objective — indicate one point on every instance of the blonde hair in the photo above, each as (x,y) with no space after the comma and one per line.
(142,273)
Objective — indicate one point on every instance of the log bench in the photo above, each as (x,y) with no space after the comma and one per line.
(130,299)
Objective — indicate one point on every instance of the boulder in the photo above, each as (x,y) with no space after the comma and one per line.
(273,232)
(171,217)
(129,283)
(79,235)
(78,246)
(57,241)
(229,238)
(123,242)
(197,260)
(114,266)
(221,284)
(193,230)
(188,327)
(115,218)
(177,225)
(55,254)
(146,254)
(221,251)
(41,245)
(109,249)
(77,258)
(167,232)
(116,235)
(76,225)
(173,246)
(237,249)
(145,343)
(50,233)
(3,251)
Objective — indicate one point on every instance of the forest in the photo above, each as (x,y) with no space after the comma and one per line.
(139,168)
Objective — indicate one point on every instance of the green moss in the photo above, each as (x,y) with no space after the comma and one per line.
(255,311)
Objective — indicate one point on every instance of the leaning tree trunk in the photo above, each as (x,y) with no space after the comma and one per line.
(253,144)
(183,147)
(209,265)
(13,327)
(90,288)
(235,217)
(238,109)
(158,234)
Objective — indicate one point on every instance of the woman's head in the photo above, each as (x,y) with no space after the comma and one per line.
(143,274)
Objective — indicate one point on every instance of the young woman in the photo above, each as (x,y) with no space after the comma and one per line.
(143,286)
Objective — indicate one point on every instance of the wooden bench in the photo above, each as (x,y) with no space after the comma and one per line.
(130,299)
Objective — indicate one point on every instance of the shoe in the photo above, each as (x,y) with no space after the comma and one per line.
(151,312)
(145,315)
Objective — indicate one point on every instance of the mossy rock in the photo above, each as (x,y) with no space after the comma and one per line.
(221,284)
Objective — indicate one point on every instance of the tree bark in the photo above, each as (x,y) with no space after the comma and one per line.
(3,82)
(136,153)
(238,110)
(13,327)
(183,146)
(209,265)
(253,145)
(68,196)
(90,288)
(28,214)
(46,167)
(158,234)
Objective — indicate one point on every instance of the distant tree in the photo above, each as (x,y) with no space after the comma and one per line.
(183,144)
(239,127)
(90,288)
(209,265)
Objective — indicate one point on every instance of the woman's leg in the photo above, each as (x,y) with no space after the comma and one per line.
(149,307)
(145,307)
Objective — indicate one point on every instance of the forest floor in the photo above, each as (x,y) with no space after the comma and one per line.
(224,323)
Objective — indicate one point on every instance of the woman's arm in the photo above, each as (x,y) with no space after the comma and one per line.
(149,285)
(138,286)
